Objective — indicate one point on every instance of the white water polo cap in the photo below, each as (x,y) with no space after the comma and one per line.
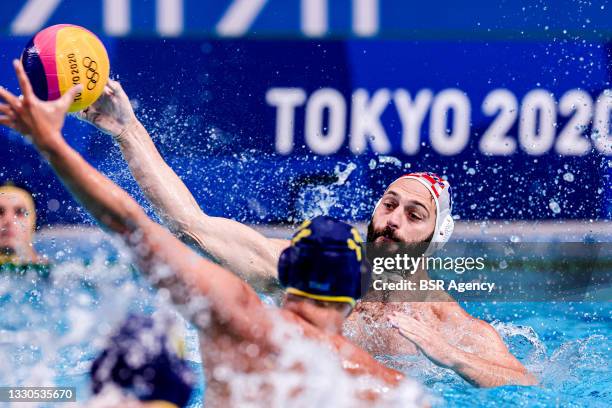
(441,192)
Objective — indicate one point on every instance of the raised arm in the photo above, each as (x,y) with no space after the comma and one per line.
(168,263)
(232,244)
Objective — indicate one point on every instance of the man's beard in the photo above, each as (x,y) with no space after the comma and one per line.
(412,249)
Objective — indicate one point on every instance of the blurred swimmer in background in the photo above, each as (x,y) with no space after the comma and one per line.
(142,366)
(414,210)
(17,226)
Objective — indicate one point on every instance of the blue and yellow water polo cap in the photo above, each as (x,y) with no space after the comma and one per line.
(325,261)
(141,359)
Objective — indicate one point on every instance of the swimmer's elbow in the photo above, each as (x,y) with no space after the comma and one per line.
(182,223)
(194,226)
(527,379)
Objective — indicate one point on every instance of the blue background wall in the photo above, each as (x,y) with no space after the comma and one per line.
(202,94)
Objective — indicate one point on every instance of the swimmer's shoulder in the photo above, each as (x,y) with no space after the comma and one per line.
(481,332)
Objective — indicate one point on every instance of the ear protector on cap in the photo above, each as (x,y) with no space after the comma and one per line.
(445,225)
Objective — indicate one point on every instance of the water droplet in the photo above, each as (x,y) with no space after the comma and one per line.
(554,207)
(391,160)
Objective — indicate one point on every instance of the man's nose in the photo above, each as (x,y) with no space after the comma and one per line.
(395,219)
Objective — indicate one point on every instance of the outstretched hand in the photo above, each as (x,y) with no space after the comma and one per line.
(112,113)
(42,121)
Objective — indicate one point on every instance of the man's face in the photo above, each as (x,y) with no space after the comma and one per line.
(16,223)
(407,214)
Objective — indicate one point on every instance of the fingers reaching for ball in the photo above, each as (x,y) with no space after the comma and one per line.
(9,98)
(24,82)
(69,96)
(108,91)
(6,115)
(6,110)
(114,85)
(117,89)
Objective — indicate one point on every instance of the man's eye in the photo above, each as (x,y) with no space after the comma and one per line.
(21,212)
(415,216)
(388,205)
(1,211)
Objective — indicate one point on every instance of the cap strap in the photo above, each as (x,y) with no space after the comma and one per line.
(323,298)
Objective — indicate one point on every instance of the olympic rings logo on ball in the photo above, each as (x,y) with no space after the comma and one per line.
(92,74)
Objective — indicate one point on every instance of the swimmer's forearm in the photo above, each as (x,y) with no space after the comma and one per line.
(482,373)
(171,199)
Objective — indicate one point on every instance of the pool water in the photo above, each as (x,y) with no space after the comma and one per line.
(52,328)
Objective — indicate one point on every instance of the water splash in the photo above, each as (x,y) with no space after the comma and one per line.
(320,199)
(310,386)
(523,341)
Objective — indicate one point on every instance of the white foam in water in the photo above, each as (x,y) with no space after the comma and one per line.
(566,362)
(524,343)
(554,207)
(321,381)
(315,201)
(343,174)
(565,365)
(56,326)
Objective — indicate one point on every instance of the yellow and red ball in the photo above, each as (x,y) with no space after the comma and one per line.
(64,55)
